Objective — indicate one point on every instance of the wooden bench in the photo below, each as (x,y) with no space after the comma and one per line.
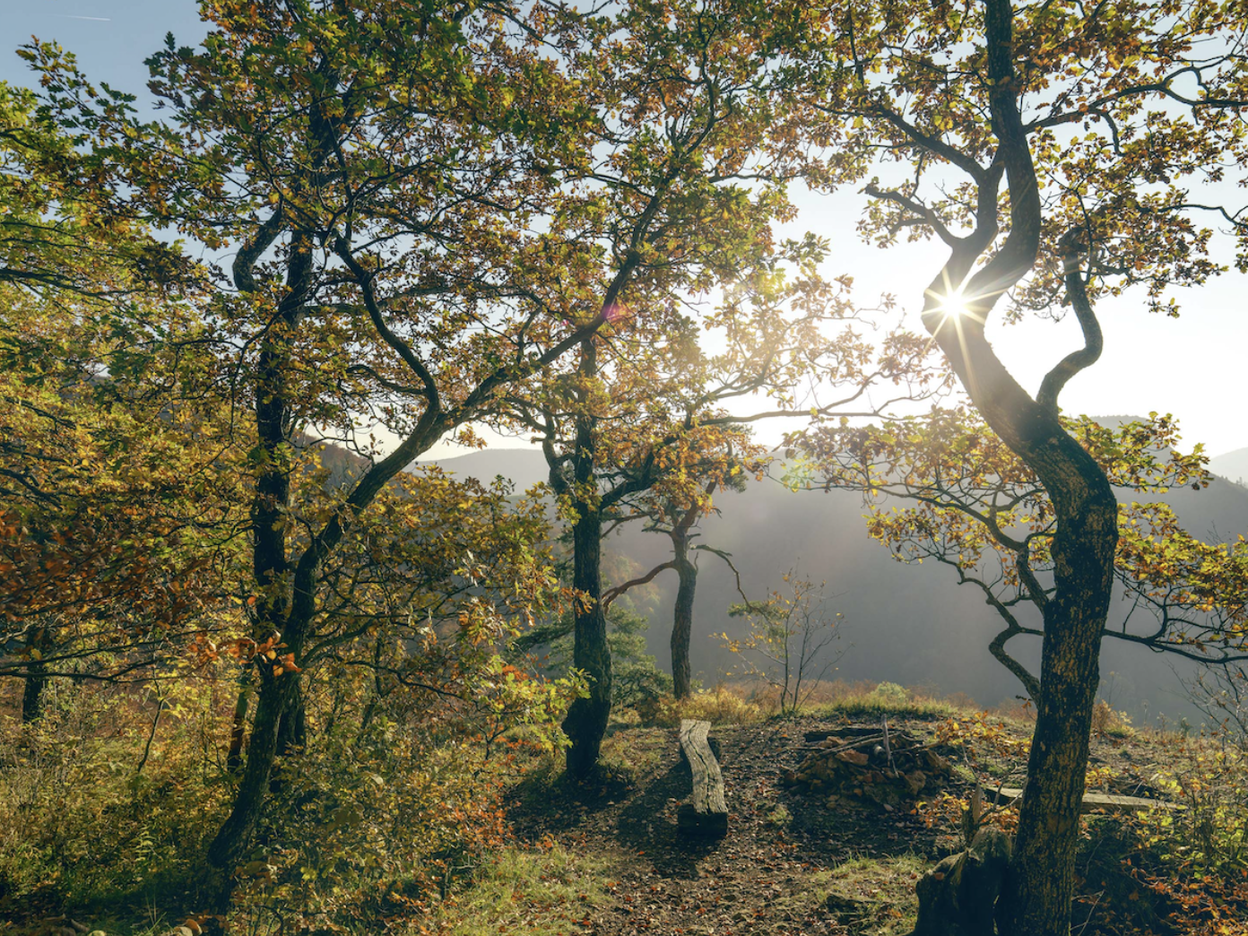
(1093,801)
(706,813)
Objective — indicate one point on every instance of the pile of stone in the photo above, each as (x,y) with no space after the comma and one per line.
(868,763)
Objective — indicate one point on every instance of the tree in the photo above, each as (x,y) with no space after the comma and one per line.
(115,528)
(676,516)
(988,94)
(672,211)
(789,632)
(382,172)
(979,510)
(643,427)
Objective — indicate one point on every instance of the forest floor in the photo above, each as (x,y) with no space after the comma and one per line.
(796,862)
(843,857)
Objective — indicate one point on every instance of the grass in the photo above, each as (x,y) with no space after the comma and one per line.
(872,897)
(734,704)
(535,891)
(752,701)
(867,700)
(873,706)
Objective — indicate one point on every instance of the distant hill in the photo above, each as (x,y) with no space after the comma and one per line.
(1232,465)
(525,467)
(909,624)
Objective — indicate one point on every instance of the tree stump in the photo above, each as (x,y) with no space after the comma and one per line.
(706,813)
(958,897)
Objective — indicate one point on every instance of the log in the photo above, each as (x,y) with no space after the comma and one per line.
(706,813)
(1091,801)
(845,731)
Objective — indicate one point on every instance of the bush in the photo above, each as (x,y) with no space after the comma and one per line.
(103,801)
(892,692)
(1107,723)
(1210,780)
(719,706)
(108,801)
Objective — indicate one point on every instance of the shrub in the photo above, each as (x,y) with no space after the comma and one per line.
(1107,723)
(1210,780)
(892,692)
(105,800)
(720,706)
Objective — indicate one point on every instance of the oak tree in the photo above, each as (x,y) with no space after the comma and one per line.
(1095,119)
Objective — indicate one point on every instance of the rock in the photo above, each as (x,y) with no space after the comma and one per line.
(857,758)
(915,781)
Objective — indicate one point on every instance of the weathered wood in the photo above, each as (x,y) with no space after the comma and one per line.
(706,813)
(845,731)
(1093,801)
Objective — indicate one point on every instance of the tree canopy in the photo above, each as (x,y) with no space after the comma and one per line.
(416,218)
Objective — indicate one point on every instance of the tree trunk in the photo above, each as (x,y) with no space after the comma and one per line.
(36,681)
(275,697)
(238,728)
(292,733)
(1039,888)
(1040,885)
(682,621)
(32,693)
(270,562)
(586,721)
(1039,891)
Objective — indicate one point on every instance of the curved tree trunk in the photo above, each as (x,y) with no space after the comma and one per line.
(682,621)
(270,562)
(275,696)
(1039,889)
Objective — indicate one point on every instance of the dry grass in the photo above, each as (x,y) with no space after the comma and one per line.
(723,705)
(749,701)
(544,891)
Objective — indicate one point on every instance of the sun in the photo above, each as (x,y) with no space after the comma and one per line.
(952,304)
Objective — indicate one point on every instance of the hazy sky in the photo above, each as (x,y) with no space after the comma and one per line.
(1190,367)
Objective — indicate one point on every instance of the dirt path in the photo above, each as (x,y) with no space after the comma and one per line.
(784,853)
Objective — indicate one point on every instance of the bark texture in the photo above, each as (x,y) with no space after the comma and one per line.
(682,619)
(1038,891)
(586,721)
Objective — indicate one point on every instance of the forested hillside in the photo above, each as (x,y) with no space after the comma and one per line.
(903,623)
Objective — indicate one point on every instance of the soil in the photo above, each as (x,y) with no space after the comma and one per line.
(757,879)
(782,868)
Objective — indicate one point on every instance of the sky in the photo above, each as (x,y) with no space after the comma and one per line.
(1189,367)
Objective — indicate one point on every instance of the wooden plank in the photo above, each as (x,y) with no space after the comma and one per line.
(845,731)
(1091,801)
(706,813)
